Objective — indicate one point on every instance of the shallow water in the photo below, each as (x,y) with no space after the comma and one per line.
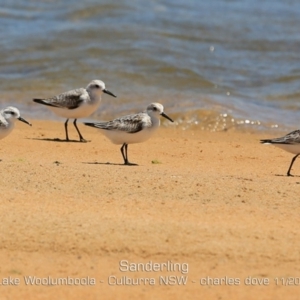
(213,64)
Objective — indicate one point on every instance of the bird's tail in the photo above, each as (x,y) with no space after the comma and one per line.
(42,101)
(266,141)
(97,125)
(90,124)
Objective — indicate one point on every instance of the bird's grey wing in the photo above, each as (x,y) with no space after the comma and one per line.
(291,138)
(68,100)
(129,124)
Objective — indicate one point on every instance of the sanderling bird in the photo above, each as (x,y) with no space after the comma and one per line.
(289,143)
(7,120)
(131,129)
(78,103)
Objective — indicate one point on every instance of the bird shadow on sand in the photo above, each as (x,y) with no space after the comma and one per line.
(284,175)
(108,163)
(57,140)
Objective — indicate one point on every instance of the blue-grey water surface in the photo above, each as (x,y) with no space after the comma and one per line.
(212,64)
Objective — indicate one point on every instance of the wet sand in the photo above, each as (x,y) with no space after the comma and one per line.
(219,202)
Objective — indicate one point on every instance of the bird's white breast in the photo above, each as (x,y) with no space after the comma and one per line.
(5,131)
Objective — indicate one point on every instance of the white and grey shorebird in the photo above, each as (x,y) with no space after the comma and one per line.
(131,129)
(8,116)
(289,143)
(78,103)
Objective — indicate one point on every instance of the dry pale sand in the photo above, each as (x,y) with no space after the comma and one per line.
(219,202)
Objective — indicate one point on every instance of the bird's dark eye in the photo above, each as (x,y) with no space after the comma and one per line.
(97,86)
(154,108)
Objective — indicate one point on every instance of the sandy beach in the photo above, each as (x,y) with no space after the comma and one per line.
(219,203)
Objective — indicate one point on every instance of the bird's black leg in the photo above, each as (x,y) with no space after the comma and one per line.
(66,129)
(80,136)
(128,163)
(293,160)
(124,157)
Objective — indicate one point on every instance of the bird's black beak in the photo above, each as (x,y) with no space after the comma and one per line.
(109,93)
(164,115)
(23,120)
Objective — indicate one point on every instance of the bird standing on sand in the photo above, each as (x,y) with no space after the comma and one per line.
(289,143)
(78,103)
(131,129)
(7,120)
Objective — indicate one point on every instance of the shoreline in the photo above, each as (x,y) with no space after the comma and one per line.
(219,202)
(206,119)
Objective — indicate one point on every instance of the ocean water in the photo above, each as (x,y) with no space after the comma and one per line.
(214,65)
